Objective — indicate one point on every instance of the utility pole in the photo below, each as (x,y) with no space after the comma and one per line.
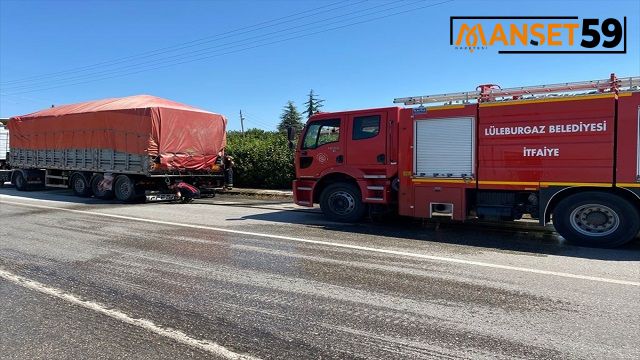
(241,122)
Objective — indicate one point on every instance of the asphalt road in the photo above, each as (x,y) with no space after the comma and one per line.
(232,278)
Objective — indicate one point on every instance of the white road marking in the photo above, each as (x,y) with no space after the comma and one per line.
(172,334)
(337,245)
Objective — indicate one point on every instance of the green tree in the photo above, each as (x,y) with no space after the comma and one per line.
(290,118)
(262,159)
(312,105)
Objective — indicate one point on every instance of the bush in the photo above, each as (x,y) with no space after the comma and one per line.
(262,159)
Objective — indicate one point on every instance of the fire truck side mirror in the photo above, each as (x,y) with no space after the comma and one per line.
(291,134)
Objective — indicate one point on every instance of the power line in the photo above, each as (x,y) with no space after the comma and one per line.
(258,121)
(39,88)
(241,49)
(224,46)
(259,126)
(192,43)
(4,96)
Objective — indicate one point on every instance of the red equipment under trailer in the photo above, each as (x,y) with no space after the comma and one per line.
(567,153)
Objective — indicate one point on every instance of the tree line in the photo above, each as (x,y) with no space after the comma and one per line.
(262,158)
(291,117)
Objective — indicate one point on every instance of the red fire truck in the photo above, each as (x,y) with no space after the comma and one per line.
(566,153)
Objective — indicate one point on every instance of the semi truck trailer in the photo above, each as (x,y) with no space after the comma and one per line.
(128,148)
(562,153)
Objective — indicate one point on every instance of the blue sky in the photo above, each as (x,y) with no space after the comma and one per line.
(359,66)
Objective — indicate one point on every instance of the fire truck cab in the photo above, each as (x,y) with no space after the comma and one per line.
(566,153)
(354,155)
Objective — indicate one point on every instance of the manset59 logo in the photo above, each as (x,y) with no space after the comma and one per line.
(539,34)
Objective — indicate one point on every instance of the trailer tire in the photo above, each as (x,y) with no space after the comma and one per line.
(342,202)
(20,181)
(596,219)
(97,191)
(80,185)
(125,190)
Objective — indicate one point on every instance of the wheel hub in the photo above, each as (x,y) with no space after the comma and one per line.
(79,185)
(125,189)
(595,220)
(342,203)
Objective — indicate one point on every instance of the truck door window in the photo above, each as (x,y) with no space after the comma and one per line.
(321,132)
(366,127)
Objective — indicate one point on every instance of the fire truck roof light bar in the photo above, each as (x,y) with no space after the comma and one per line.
(485,93)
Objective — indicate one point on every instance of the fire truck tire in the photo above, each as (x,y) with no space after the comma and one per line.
(97,191)
(125,189)
(342,202)
(596,219)
(80,185)
(20,181)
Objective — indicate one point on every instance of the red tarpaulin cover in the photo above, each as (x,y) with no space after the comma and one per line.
(182,136)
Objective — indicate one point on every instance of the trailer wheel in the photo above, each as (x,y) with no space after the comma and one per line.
(20,181)
(125,190)
(596,219)
(99,191)
(342,202)
(80,185)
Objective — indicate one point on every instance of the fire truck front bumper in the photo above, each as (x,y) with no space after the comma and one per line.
(303,192)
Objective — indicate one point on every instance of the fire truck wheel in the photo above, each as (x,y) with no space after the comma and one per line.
(80,185)
(342,202)
(125,190)
(98,191)
(20,182)
(596,219)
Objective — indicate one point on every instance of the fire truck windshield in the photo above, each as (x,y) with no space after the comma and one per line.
(321,132)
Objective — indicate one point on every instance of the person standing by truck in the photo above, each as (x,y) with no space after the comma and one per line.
(228,171)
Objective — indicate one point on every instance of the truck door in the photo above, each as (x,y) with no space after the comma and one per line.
(367,145)
(322,147)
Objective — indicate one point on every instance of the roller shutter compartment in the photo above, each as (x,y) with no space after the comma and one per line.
(444,147)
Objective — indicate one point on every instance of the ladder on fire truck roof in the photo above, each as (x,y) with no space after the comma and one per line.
(491,92)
